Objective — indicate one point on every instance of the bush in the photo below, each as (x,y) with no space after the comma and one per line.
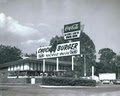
(62,81)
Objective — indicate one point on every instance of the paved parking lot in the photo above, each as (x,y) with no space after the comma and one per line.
(35,90)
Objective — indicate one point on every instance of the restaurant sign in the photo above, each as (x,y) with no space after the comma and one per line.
(72,31)
(66,49)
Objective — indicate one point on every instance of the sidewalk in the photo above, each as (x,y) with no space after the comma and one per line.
(41,86)
(4,85)
(55,87)
(81,87)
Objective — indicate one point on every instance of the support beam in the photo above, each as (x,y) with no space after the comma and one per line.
(43,65)
(92,72)
(84,65)
(57,65)
(73,63)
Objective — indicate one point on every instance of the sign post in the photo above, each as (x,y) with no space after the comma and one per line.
(57,67)
(73,63)
(92,72)
(43,65)
(84,64)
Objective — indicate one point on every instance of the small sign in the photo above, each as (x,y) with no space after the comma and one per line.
(72,31)
(72,35)
(72,27)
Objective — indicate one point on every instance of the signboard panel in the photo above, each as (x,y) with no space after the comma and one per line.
(72,35)
(72,31)
(72,27)
(107,76)
(66,49)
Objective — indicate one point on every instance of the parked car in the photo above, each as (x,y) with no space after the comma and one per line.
(106,82)
(117,81)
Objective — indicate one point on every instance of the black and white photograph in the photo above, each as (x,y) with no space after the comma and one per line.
(59,47)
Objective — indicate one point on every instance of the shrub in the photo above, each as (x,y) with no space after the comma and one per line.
(62,81)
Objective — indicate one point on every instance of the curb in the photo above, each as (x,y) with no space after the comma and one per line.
(76,87)
(69,87)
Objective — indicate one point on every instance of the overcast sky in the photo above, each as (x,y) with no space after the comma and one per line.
(28,24)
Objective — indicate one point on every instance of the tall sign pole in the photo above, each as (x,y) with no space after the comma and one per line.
(73,63)
(92,72)
(57,67)
(72,31)
(43,65)
(84,64)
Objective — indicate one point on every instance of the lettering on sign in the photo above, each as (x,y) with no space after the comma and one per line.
(44,49)
(65,49)
(72,35)
(72,27)
(72,31)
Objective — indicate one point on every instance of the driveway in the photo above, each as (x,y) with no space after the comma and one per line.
(105,90)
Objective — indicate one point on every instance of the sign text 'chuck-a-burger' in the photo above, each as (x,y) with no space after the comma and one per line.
(69,46)
(65,49)
(44,49)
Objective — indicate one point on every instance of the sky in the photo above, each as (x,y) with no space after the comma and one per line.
(28,24)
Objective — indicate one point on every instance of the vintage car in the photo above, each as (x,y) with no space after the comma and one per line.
(117,81)
(106,82)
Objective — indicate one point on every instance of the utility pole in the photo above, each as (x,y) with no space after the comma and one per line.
(73,63)
(84,65)
(118,73)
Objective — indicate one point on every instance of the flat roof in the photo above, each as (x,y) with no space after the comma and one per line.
(33,60)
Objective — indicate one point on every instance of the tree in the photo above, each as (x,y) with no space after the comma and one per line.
(59,40)
(56,40)
(116,65)
(87,49)
(116,60)
(8,54)
(106,65)
(30,55)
